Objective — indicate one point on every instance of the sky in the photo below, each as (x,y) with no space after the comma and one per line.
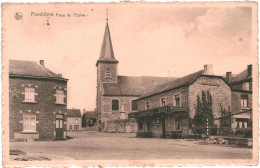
(148,40)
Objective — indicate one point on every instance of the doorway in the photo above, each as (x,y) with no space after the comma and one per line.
(59,127)
(163,128)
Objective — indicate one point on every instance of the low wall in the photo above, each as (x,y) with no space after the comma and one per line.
(129,125)
(26,136)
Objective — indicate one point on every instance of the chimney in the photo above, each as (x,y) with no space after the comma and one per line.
(229,77)
(42,62)
(60,75)
(208,69)
(249,70)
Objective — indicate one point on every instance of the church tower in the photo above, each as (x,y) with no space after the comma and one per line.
(107,64)
(106,71)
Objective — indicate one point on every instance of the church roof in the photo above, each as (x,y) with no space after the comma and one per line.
(133,86)
(30,69)
(73,113)
(107,53)
(184,81)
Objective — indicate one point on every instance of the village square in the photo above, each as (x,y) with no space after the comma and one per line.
(200,115)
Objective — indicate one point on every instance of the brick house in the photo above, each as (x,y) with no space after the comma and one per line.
(116,94)
(37,102)
(241,96)
(168,107)
(74,119)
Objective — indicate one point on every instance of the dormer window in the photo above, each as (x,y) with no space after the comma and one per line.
(163,101)
(60,96)
(148,105)
(29,94)
(108,73)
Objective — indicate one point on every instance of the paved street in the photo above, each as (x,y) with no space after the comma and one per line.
(98,146)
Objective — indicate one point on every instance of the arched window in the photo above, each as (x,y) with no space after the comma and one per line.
(115,104)
(108,73)
(134,105)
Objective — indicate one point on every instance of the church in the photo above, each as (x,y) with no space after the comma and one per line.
(116,94)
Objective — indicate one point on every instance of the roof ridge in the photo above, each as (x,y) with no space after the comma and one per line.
(44,69)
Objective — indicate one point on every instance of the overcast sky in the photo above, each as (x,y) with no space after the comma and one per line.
(147,41)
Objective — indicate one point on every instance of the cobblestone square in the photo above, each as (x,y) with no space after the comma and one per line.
(125,146)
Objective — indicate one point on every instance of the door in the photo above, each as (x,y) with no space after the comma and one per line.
(163,127)
(59,126)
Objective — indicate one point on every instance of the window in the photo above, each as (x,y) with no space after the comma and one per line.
(76,127)
(134,105)
(108,73)
(244,101)
(29,94)
(163,101)
(250,86)
(60,96)
(70,127)
(177,101)
(241,122)
(177,124)
(246,86)
(29,123)
(148,105)
(115,104)
(76,121)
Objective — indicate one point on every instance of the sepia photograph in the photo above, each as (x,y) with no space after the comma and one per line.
(130,84)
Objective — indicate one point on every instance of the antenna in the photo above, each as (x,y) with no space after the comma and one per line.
(107,15)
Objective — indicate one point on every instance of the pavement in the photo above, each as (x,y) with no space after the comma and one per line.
(91,145)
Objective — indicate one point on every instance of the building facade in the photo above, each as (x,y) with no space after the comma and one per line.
(37,102)
(116,94)
(169,108)
(91,118)
(242,102)
(74,121)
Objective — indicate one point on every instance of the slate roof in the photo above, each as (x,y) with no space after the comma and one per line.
(133,86)
(30,68)
(90,114)
(73,113)
(241,76)
(184,81)
(107,53)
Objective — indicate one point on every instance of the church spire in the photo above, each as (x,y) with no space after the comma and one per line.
(107,53)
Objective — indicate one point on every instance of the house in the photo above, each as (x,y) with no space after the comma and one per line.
(169,108)
(37,102)
(116,94)
(91,118)
(73,119)
(241,96)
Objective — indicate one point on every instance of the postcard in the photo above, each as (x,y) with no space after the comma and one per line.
(130,84)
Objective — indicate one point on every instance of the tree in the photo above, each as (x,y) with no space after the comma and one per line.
(203,119)
(84,120)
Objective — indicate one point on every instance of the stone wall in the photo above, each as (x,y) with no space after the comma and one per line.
(219,90)
(121,126)
(155,101)
(44,107)
(101,70)
(107,114)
